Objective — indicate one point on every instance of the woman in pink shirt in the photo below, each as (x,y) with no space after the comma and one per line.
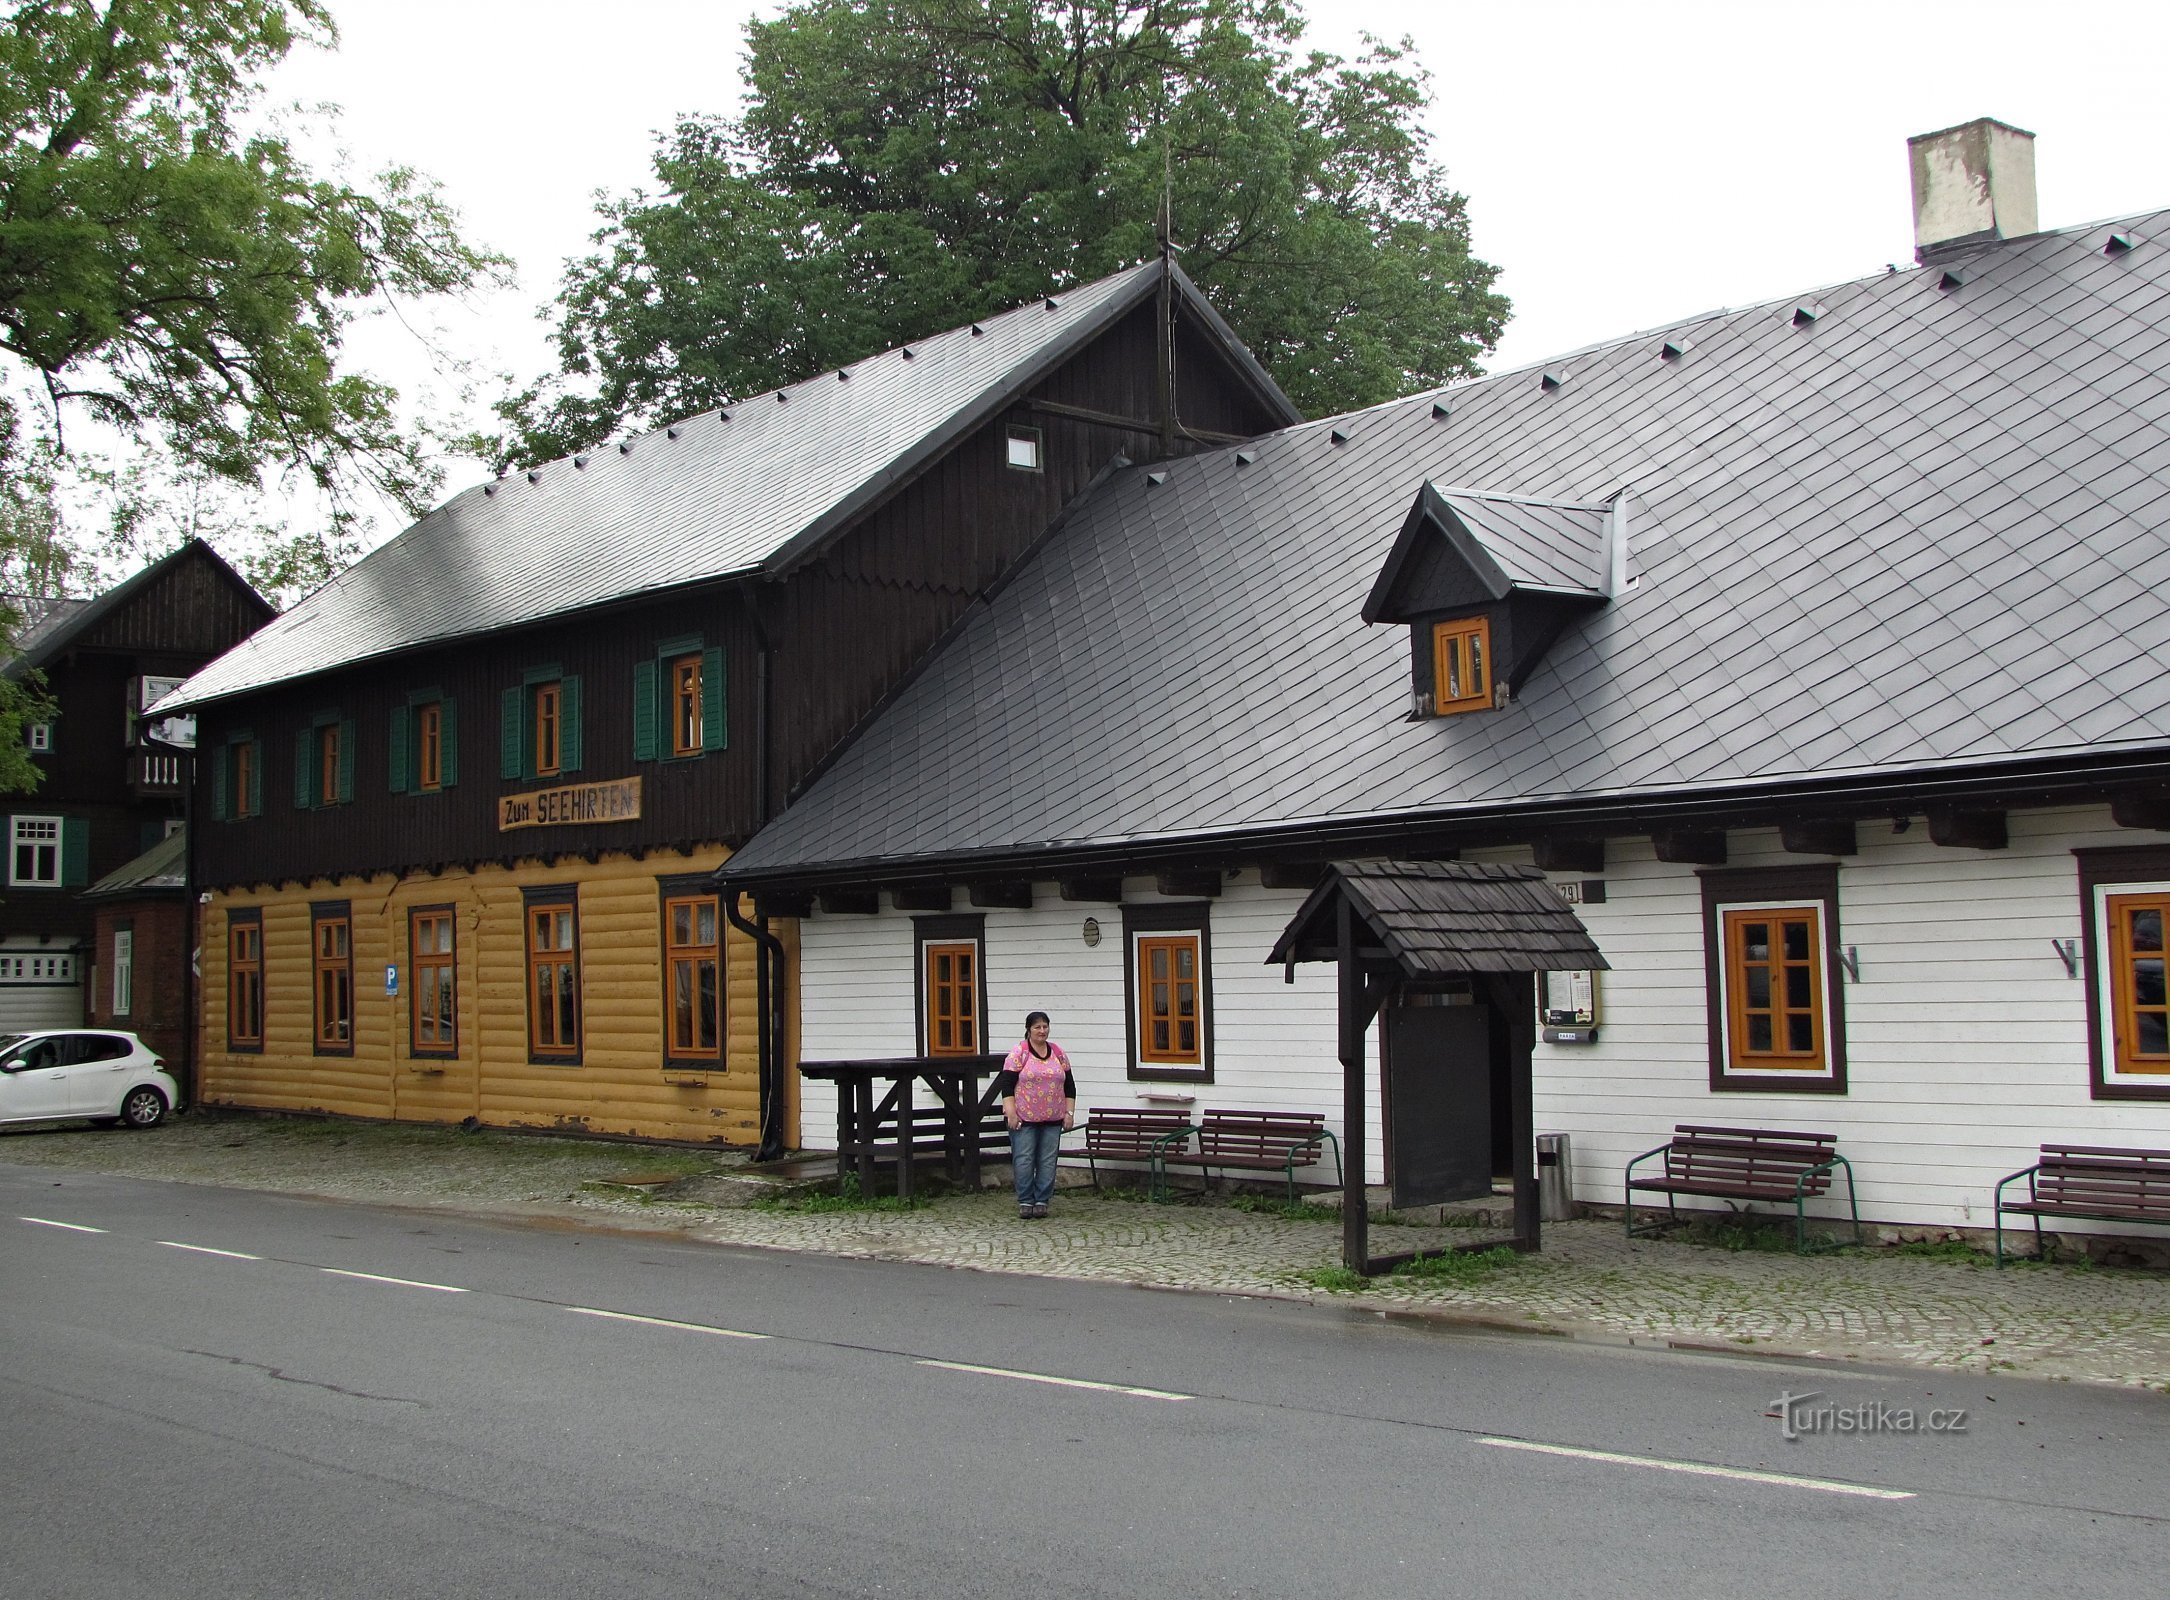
(1039,1101)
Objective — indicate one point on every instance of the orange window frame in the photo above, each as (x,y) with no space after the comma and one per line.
(1461,665)
(2139,959)
(331,941)
(549,726)
(953,996)
(244,774)
(693,967)
(1164,987)
(433,1024)
(1776,990)
(686,705)
(429,746)
(553,966)
(245,984)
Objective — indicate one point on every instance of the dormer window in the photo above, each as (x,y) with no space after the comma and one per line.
(1461,665)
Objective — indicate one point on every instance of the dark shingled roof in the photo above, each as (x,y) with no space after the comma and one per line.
(162,869)
(1928,531)
(751,486)
(1440,918)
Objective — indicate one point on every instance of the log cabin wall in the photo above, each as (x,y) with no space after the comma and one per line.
(621,1084)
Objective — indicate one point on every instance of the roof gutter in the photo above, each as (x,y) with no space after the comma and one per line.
(1505,823)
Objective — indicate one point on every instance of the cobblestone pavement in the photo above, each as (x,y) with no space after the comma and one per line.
(2093,1324)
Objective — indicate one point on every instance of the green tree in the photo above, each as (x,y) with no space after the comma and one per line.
(902,166)
(180,276)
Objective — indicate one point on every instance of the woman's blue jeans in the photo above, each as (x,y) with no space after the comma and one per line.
(1033,1146)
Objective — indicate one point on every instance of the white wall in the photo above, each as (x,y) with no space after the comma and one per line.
(1965,1040)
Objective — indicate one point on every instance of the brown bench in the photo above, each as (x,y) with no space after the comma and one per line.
(1247,1141)
(1130,1133)
(2091,1183)
(1746,1164)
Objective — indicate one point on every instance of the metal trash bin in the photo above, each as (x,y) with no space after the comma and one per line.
(1555,1178)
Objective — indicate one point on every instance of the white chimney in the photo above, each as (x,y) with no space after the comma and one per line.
(1972,183)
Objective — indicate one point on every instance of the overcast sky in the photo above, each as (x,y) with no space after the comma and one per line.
(1627,165)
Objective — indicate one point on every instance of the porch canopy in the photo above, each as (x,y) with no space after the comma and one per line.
(1396,926)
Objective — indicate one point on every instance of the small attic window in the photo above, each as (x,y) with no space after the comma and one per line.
(1461,666)
(1023,445)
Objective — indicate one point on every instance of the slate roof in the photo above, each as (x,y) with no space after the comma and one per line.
(162,869)
(1439,918)
(749,486)
(1927,530)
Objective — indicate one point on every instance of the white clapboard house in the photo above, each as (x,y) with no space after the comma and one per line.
(1818,651)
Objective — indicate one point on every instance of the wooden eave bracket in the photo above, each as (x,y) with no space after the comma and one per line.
(849,902)
(1698,847)
(1203,884)
(1970,830)
(1569,855)
(1006,895)
(1823,837)
(1108,891)
(922,896)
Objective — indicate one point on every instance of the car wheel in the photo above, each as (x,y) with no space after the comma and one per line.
(145,1107)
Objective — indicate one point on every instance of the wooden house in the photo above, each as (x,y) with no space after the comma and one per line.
(1814,650)
(107,792)
(462,806)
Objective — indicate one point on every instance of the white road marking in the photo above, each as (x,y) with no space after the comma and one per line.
(666,1322)
(206,1250)
(48,1222)
(404,1283)
(1065,1383)
(1701,1469)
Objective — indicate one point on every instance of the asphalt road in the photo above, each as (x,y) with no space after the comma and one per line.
(221,1393)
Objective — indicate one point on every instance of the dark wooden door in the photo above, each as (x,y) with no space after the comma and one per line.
(1439,1102)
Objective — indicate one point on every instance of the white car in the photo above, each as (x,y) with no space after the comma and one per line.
(55,1074)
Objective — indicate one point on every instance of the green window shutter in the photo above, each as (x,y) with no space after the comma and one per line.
(74,853)
(448,735)
(256,778)
(512,733)
(397,766)
(304,776)
(222,761)
(346,759)
(569,716)
(644,710)
(715,702)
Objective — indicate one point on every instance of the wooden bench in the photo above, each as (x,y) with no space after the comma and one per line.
(1746,1164)
(2091,1183)
(1130,1133)
(1247,1141)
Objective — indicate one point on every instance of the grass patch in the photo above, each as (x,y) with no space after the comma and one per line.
(1930,1250)
(1749,1233)
(1335,1280)
(1293,1210)
(841,1195)
(1459,1266)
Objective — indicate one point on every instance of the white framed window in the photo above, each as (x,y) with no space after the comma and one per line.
(39,736)
(124,971)
(34,850)
(1023,449)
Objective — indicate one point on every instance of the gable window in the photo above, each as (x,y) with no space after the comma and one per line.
(1022,449)
(433,1022)
(34,851)
(1169,983)
(2125,904)
(692,972)
(539,725)
(1461,665)
(237,777)
(679,701)
(553,974)
(39,736)
(324,762)
(1770,939)
(952,985)
(245,980)
(332,938)
(425,745)
(124,971)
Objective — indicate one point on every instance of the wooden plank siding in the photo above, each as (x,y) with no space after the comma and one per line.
(622,1084)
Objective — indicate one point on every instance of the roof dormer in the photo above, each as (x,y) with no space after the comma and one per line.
(1486,581)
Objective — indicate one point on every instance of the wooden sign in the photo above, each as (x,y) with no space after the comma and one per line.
(615,801)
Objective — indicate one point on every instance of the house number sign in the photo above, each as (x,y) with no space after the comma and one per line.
(615,801)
